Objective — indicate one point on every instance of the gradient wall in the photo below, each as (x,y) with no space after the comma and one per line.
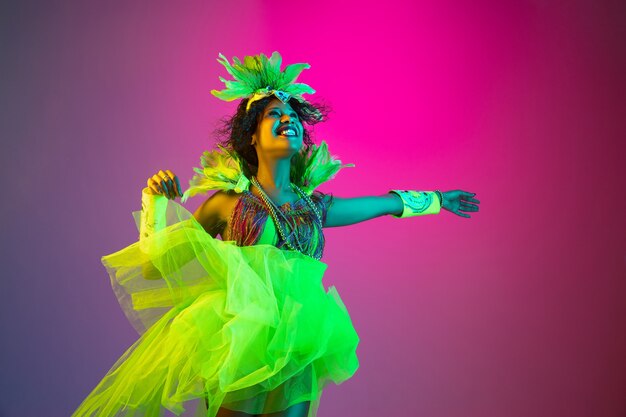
(518,311)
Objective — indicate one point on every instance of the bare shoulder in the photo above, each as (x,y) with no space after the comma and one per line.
(214,212)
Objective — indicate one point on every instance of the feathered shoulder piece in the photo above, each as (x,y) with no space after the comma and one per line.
(314,165)
(222,169)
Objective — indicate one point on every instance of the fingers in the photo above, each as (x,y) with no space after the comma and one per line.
(457,200)
(177,188)
(165,183)
(156,182)
(465,207)
(152,185)
(470,197)
(468,207)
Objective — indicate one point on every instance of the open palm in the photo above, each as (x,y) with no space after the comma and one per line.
(456,201)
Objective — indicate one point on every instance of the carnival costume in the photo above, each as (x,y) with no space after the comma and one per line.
(240,323)
(245,322)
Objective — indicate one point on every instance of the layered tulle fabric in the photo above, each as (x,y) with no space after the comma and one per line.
(247,328)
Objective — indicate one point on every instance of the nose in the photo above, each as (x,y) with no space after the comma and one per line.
(285,118)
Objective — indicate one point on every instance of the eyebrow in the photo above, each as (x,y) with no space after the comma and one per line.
(278,108)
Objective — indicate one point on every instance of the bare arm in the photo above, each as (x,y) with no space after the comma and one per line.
(214,212)
(346,211)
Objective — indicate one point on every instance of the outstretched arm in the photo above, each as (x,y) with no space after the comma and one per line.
(346,211)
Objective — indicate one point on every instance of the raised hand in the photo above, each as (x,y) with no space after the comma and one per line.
(456,201)
(165,183)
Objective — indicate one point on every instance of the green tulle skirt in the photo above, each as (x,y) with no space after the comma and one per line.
(247,328)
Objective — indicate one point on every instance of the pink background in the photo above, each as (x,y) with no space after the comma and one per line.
(518,311)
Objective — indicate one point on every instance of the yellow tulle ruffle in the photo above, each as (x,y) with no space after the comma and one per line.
(247,328)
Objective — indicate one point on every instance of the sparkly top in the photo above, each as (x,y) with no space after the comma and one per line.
(249,222)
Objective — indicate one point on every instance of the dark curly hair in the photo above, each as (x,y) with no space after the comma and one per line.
(237,130)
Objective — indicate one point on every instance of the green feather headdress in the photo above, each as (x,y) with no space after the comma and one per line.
(223,169)
(259,76)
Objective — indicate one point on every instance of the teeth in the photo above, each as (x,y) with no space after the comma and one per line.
(288,132)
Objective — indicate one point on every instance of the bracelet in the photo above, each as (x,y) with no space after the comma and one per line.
(440,197)
(419,203)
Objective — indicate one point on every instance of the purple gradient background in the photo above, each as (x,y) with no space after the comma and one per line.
(518,311)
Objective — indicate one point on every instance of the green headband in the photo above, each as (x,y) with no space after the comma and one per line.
(260,77)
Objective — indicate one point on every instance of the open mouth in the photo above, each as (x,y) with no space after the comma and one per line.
(287,131)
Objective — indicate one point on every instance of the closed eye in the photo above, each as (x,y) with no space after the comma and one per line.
(276,113)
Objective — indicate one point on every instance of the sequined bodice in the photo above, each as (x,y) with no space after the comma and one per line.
(249,220)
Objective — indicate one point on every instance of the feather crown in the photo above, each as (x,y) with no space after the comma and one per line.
(259,76)
(223,169)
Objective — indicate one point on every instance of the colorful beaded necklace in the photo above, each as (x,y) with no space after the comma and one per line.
(274,212)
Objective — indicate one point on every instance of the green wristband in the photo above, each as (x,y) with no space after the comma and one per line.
(418,203)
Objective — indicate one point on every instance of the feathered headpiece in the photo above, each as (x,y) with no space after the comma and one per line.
(260,77)
(223,169)
(256,78)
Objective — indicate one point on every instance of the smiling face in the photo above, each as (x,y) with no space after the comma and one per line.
(279,131)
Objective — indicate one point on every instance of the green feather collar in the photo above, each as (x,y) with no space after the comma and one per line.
(222,169)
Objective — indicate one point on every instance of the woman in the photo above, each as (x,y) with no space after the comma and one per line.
(244,322)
